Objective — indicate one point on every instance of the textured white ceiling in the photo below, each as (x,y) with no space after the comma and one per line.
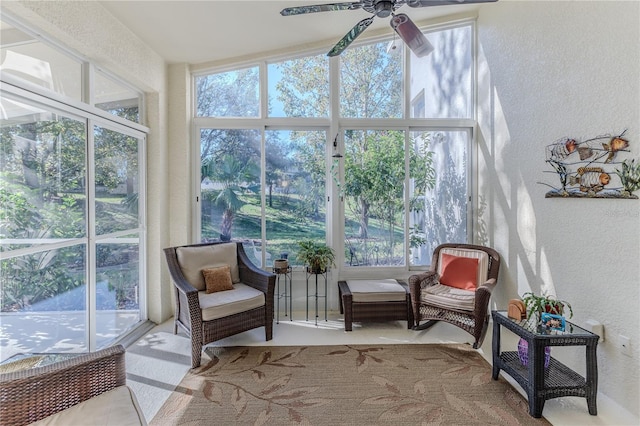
(203,31)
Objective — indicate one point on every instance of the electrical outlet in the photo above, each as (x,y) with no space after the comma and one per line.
(625,345)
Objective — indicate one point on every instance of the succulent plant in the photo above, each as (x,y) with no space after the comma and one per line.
(630,175)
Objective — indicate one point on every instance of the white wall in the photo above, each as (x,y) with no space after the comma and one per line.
(550,70)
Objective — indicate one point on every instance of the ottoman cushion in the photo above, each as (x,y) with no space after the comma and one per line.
(377,291)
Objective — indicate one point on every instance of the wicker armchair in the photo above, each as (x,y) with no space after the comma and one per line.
(434,301)
(185,264)
(86,389)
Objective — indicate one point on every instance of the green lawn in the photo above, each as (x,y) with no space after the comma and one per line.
(285,226)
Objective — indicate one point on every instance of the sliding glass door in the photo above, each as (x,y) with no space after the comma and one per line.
(71,229)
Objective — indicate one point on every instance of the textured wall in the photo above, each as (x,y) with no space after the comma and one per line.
(550,70)
(180,153)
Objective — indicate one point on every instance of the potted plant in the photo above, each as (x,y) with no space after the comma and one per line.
(536,305)
(316,256)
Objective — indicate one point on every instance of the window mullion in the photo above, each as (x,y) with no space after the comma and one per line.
(335,220)
(91,237)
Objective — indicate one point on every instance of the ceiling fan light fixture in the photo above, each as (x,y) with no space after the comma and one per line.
(383,8)
(411,35)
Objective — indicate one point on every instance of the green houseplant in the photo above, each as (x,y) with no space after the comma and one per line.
(536,305)
(316,256)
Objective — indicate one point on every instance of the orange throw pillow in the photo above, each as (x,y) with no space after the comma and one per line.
(218,279)
(459,272)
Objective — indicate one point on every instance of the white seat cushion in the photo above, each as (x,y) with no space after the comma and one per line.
(193,260)
(449,297)
(117,407)
(482,256)
(377,291)
(224,303)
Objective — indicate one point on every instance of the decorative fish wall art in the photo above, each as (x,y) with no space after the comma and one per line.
(592,168)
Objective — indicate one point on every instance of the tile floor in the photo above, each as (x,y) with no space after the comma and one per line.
(157,362)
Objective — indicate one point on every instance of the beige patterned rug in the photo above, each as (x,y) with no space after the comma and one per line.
(345,385)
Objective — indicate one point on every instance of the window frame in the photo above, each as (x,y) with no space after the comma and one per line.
(14,88)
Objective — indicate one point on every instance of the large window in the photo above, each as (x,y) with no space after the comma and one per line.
(381,153)
(291,96)
(25,57)
(295,206)
(371,82)
(230,183)
(72,233)
(115,97)
(230,189)
(229,94)
(439,191)
(374,197)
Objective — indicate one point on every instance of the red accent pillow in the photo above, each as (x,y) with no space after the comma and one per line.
(459,272)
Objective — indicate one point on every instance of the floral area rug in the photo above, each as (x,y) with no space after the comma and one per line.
(345,385)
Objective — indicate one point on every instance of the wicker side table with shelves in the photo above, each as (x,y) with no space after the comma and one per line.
(557,380)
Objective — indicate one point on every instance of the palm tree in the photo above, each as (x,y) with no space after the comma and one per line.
(235,177)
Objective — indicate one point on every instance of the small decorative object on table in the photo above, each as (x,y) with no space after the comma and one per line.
(552,322)
(523,354)
(280,264)
(517,310)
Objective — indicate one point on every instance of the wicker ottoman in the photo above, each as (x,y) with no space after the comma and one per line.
(374,301)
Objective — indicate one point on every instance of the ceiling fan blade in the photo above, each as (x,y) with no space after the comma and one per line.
(411,35)
(299,10)
(427,3)
(350,36)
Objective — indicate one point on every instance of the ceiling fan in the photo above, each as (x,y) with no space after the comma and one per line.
(401,23)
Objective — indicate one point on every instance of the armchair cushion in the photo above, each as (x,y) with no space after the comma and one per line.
(117,407)
(217,279)
(193,260)
(449,297)
(482,256)
(217,305)
(459,271)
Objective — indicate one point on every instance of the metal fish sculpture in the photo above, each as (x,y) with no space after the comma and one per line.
(561,150)
(615,144)
(585,152)
(590,179)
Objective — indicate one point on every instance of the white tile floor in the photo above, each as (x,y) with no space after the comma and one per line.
(157,362)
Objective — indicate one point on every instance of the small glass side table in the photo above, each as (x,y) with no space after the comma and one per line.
(285,275)
(556,380)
